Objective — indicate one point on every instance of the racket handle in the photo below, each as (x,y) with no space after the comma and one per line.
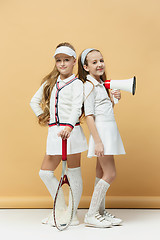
(64,150)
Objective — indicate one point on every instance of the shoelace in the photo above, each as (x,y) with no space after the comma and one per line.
(108,214)
(99,217)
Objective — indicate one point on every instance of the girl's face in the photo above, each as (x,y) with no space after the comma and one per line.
(96,66)
(65,64)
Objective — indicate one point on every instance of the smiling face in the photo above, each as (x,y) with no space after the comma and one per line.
(65,64)
(96,66)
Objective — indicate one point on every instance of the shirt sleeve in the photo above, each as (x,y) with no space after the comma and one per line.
(89,99)
(77,101)
(36,100)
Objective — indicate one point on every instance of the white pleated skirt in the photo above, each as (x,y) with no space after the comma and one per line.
(111,139)
(76,143)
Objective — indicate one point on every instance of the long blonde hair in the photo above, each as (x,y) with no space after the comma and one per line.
(50,80)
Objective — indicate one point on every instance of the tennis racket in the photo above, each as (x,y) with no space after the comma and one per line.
(63,216)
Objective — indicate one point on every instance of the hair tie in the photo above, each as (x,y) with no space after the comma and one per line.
(84,54)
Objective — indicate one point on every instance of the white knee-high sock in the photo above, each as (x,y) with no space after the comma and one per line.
(51,183)
(102,205)
(98,194)
(75,179)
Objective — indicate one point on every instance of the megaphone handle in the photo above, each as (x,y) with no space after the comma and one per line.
(115,99)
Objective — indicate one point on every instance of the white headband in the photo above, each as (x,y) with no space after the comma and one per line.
(84,54)
(66,50)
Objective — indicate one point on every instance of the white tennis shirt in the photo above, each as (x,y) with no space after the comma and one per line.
(97,101)
(65,102)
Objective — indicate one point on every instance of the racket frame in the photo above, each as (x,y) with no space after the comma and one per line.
(63,180)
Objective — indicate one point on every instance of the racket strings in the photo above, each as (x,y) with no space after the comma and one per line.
(63,215)
(60,201)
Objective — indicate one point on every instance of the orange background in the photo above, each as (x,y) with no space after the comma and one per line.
(128,35)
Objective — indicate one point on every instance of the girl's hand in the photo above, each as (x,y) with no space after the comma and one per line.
(65,133)
(116,94)
(99,149)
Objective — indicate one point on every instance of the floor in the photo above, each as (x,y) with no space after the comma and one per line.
(26,224)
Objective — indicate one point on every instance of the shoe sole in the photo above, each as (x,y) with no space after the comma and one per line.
(72,224)
(116,224)
(92,225)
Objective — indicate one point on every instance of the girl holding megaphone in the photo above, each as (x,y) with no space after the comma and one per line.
(105,140)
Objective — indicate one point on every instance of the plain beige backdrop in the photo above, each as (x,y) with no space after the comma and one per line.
(128,35)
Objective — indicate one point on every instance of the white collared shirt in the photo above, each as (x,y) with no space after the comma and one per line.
(97,101)
(65,101)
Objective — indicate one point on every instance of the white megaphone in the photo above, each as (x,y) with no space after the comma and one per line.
(128,85)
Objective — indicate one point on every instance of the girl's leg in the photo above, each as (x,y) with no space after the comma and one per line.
(107,165)
(99,175)
(74,160)
(75,178)
(50,162)
(93,218)
(105,173)
(99,171)
(46,173)
(105,169)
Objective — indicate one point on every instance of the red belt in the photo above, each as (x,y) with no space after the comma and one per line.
(63,124)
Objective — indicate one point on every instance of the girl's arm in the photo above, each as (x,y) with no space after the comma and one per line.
(36,100)
(99,148)
(89,110)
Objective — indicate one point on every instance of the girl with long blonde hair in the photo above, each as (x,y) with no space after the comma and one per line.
(58,103)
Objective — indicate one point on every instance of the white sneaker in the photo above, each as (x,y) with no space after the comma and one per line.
(50,220)
(96,220)
(66,217)
(111,218)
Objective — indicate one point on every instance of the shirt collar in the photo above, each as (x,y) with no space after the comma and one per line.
(66,79)
(94,81)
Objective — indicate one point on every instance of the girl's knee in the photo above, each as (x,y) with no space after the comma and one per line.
(110,177)
(113,175)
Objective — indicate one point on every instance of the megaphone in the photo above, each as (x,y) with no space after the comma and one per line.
(128,85)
